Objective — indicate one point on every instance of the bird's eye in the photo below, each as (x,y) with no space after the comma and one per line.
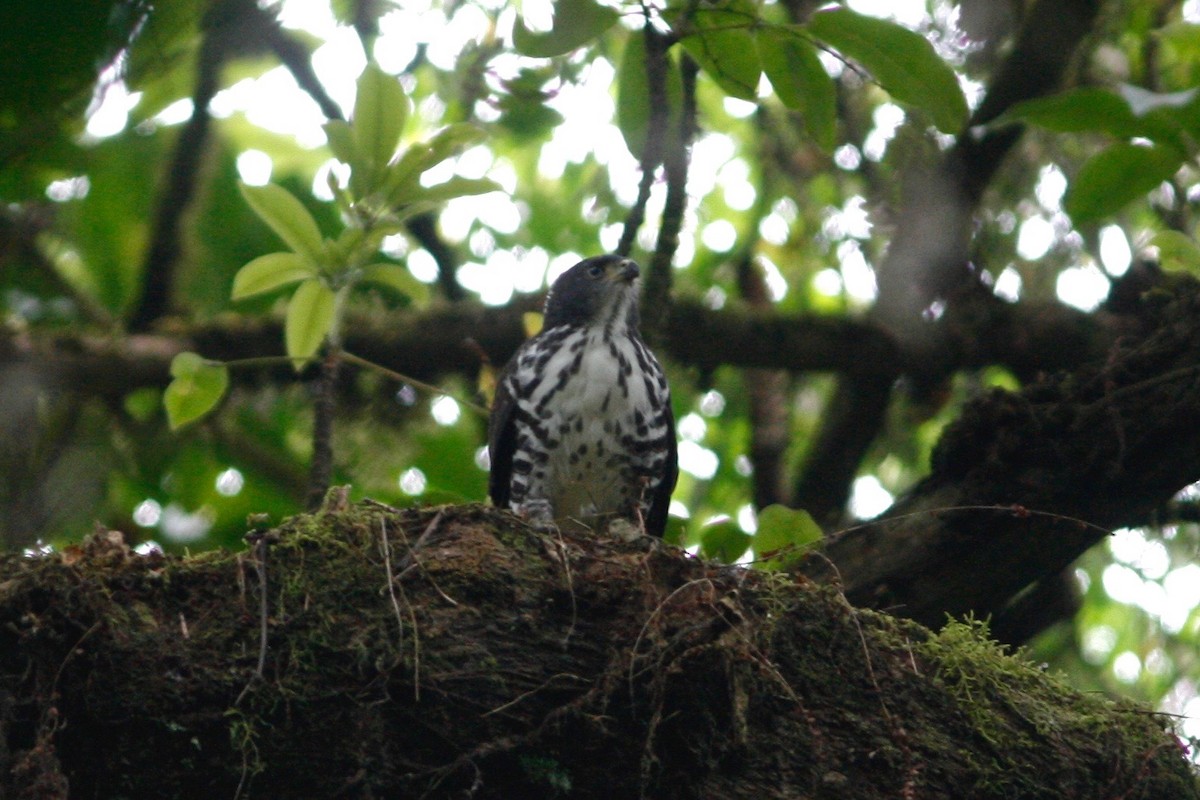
(595,272)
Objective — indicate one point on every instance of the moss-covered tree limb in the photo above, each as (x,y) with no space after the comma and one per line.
(454,652)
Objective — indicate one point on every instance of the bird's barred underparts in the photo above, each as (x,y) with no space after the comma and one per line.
(582,426)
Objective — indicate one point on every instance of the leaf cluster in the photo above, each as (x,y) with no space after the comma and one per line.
(384,189)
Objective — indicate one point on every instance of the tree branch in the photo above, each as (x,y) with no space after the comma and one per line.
(434,342)
(652,149)
(572,660)
(927,259)
(767,391)
(423,228)
(166,242)
(853,418)
(1022,484)
(294,55)
(675,168)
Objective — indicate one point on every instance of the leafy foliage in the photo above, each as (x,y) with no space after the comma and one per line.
(903,62)
(799,79)
(196,389)
(576,22)
(1163,126)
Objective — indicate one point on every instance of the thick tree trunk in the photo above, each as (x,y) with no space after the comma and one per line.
(1023,483)
(362,652)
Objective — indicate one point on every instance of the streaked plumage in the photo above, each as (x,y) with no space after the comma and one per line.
(581,428)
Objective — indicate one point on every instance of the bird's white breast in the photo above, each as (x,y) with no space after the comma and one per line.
(589,470)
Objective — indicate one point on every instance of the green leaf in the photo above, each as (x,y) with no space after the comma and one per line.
(522,103)
(676,532)
(576,22)
(288,217)
(1143,101)
(724,541)
(721,42)
(396,277)
(1171,119)
(403,177)
(143,404)
(1078,110)
(633,96)
(197,387)
(1122,173)
(1126,113)
(341,142)
(452,139)
(455,187)
(782,535)
(270,272)
(1176,250)
(309,319)
(903,62)
(800,81)
(380,110)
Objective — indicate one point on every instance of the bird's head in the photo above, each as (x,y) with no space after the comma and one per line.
(596,291)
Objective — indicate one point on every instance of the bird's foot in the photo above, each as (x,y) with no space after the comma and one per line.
(626,529)
(538,515)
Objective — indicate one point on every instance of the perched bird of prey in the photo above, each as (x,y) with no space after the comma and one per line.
(581,428)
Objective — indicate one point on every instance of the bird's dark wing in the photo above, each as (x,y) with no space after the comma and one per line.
(656,519)
(502,441)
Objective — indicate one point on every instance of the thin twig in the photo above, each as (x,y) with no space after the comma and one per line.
(411,561)
(264,604)
(532,692)
(426,387)
(296,58)
(675,168)
(385,548)
(646,625)
(264,607)
(566,560)
(320,475)
(395,585)
(1016,510)
(71,654)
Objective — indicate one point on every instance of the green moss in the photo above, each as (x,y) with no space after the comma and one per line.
(1018,710)
(575,664)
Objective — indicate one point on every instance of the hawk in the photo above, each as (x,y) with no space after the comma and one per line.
(581,428)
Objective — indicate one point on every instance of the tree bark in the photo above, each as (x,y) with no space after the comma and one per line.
(1027,338)
(455,652)
(1023,483)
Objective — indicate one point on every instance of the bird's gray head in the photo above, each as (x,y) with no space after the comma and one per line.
(596,291)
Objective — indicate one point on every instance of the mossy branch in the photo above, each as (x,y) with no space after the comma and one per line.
(678,679)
